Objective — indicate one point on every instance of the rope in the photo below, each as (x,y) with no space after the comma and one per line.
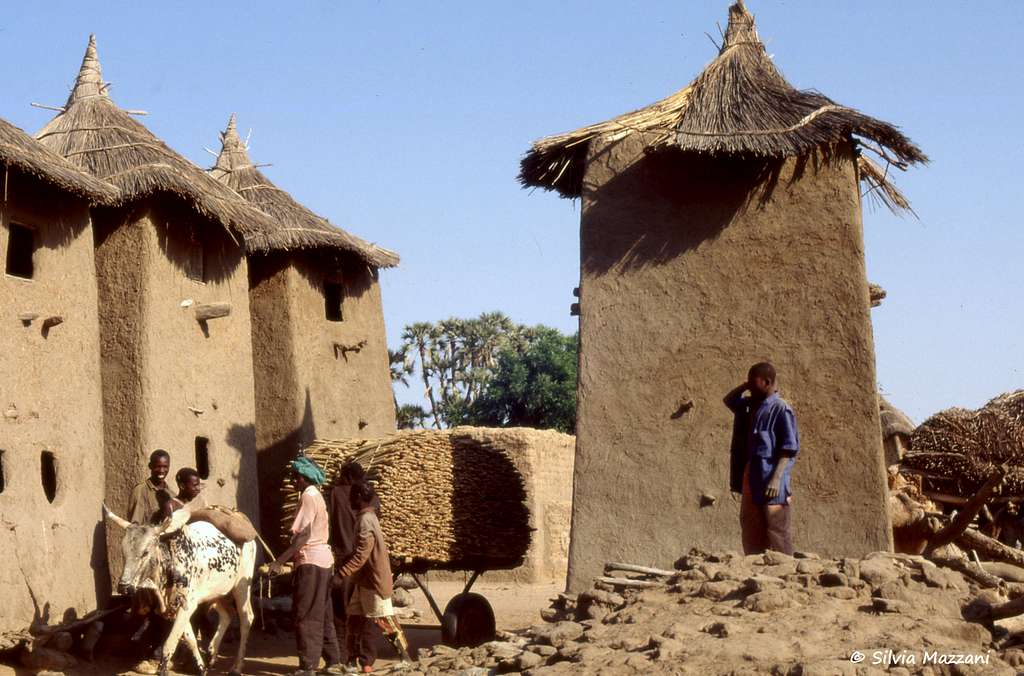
(806,120)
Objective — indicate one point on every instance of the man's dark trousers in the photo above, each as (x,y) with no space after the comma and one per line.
(314,617)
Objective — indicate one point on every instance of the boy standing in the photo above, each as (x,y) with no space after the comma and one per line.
(344,538)
(369,567)
(145,506)
(765,443)
(189,487)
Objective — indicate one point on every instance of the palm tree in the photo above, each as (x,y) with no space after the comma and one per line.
(419,336)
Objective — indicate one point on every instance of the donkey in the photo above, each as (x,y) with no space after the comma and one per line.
(186,564)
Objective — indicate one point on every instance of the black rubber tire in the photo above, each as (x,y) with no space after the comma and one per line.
(468,621)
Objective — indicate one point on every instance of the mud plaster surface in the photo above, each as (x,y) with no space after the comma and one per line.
(168,378)
(50,395)
(306,388)
(686,282)
(544,458)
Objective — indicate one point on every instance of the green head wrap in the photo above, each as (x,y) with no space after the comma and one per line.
(308,470)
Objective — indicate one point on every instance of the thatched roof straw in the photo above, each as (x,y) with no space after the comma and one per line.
(100,138)
(740,105)
(894,421)
(19,150)
(296,227)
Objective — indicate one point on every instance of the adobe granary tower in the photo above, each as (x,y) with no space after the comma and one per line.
(51,451)
(720,227)
(319,348)
(173,302)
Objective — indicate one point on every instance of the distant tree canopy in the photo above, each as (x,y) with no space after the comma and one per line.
(488,371)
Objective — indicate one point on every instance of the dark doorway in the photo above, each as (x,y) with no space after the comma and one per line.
(2,478)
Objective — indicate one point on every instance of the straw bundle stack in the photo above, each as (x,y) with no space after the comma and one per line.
(447,501)
(957,448)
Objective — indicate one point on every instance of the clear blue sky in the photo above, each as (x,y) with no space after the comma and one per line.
(404,122)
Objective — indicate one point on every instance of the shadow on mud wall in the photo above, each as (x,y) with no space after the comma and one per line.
(491,519)
(196,246)
(665,204)
(242,438)
(98,563)
(49,203)
(315,265)
(271,472)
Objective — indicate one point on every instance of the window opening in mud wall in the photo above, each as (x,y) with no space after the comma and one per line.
(21,244)
(203,457)
(334,294)
(3,482)
(195,259)
(48,474)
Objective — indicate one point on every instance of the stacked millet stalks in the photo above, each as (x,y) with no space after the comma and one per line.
(955,450)
(957,496)
(447,501)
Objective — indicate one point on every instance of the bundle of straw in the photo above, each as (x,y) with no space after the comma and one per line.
(447,501)
(956,449)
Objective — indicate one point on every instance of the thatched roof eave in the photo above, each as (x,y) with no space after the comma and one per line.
(739,105)
(24,153)
(294,226)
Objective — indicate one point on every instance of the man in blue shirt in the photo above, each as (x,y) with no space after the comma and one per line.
(765,443)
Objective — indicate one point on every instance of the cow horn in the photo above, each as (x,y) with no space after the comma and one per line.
(114,518)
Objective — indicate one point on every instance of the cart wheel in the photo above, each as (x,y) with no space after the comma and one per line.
(468,621)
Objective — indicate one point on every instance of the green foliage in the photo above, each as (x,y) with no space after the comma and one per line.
(533,385)
(410,417)
(458,360)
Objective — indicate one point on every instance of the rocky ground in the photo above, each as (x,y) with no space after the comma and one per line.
(723,613)
(764,614)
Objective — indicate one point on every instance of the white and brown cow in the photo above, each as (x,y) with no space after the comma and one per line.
(188,564)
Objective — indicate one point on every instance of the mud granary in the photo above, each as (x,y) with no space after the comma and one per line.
(319,348)
(52,425)
(130,328)
(173,302)
(720,227)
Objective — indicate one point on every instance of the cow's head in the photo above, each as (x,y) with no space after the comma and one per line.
(143,564)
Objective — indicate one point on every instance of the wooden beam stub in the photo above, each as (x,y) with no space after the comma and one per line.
(207,311)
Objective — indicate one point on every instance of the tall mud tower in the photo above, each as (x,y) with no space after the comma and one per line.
(51,432)
(720,227)
(319,348)
(172,282)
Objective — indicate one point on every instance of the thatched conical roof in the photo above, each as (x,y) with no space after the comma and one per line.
(739,105)
(95,135)
(894,421)
(19,150)
(296,227)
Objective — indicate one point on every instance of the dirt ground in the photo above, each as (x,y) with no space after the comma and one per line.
(515,607)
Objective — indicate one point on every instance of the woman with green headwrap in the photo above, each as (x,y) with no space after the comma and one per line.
(311,580)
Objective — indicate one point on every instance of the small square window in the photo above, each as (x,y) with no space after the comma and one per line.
(203,457)
(21,245)
(334,294)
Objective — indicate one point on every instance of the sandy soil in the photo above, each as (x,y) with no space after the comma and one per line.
(515,607)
